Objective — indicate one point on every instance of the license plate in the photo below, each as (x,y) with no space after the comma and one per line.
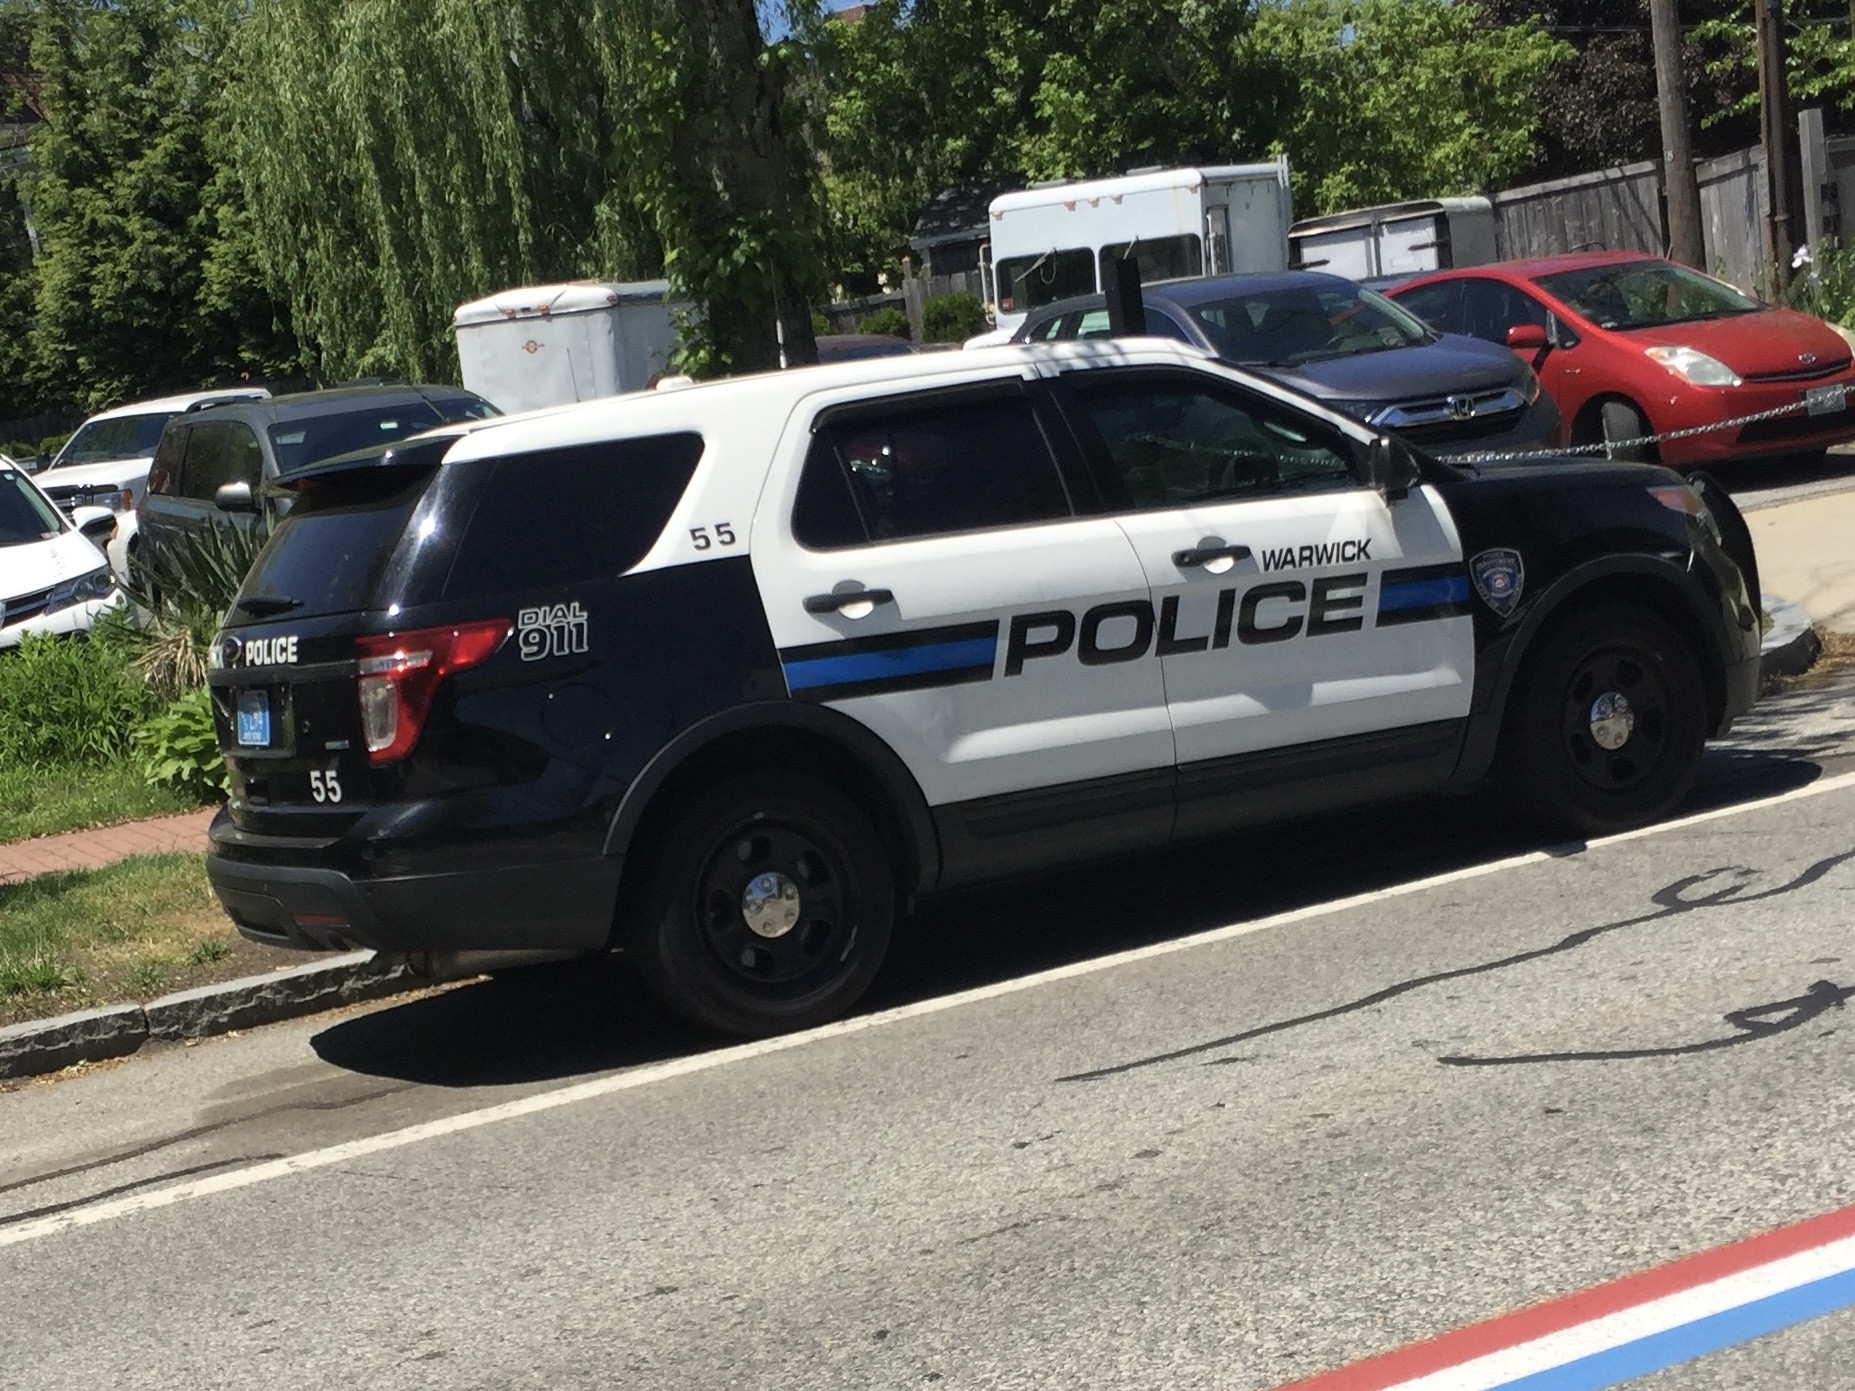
(254,719)
(1825,400)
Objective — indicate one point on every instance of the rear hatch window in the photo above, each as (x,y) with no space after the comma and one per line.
(328,555)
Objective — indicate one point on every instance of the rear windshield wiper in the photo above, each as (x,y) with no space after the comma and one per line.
(260,607)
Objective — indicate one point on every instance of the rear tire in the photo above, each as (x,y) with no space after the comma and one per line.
(769,905)
(1605,732)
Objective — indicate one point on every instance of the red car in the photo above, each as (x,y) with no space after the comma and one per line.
(1630,345)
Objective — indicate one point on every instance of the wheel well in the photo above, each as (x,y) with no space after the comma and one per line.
(1643,591)
(776,746)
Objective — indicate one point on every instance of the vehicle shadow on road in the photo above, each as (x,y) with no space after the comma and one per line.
(550,1023)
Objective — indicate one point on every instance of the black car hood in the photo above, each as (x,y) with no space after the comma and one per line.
(1451,364)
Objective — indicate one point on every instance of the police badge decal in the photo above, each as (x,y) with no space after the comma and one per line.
(1499,578)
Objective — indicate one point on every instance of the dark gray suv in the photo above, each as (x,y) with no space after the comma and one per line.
(213,463)
(1347,347)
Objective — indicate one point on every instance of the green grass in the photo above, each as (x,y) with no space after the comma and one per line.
(127,932)
(43,801)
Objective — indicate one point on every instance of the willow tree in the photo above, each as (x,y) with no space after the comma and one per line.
(403,156)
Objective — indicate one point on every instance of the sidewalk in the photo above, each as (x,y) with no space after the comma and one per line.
(1806,552)
(166,835)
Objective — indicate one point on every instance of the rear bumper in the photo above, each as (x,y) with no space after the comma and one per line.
(553,906)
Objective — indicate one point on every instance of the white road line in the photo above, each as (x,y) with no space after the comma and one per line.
(653,1073)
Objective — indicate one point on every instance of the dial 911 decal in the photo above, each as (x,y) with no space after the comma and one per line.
(552,630)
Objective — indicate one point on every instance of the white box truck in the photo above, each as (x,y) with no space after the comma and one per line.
(550,345)
(1397,239)
(1051,241)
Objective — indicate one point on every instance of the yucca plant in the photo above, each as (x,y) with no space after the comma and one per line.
(181,592)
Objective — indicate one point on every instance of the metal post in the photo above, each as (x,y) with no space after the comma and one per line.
(1685,243)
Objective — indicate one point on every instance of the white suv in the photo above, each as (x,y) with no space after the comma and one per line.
(105,464)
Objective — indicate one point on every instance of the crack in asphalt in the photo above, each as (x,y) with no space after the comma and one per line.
(51,1209)
(1671,901)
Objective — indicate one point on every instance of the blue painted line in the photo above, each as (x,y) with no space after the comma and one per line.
(901,661)
(1616,1365)
(1418,594)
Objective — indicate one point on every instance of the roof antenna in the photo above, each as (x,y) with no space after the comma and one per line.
(1126,307)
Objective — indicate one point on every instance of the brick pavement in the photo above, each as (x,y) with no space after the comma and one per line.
(163,835)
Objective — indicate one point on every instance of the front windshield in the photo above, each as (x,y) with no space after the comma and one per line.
(25,515)
(1290,325)
(1643,294)
(124,437)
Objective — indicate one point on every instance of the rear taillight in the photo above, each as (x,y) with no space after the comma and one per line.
(400,673)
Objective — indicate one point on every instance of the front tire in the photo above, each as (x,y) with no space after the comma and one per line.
(1620,421)
(1605,733)
(768,908)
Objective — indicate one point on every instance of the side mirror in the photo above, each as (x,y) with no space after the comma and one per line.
(98,523)
(39,462)
(1395,468)
(1527,338)
(235,497)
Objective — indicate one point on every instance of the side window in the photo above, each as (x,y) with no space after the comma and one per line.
(208,462)
(1160,325)
(1092,324)
(1163,258)
(164,473)
(1434,304)
(1048,331)
(1174,442)
(564,516)
(927,470)
(1490,308)
(244,457)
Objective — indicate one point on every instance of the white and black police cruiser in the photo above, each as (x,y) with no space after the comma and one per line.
(723,677)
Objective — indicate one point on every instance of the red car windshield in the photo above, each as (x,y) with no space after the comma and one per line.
(1644,294)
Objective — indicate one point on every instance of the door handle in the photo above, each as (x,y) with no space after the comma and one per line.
(1196,556)
(842,599)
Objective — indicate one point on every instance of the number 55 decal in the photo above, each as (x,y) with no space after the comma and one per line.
(724,535)
(324,787)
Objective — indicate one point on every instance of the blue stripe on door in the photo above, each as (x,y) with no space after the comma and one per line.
(857,667)
(1418,594)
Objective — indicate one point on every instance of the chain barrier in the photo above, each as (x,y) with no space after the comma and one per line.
(1608,448)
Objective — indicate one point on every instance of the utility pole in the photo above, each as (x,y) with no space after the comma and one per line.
(1782,175)
(1678,181)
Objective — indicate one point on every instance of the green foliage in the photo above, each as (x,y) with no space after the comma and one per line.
(1827,288)
(952,318)
(1402,98)
(888,320)
(183,592)
(146,279)
(820,325)
(179,748)
(51,444)
(1819,52)
(68,701)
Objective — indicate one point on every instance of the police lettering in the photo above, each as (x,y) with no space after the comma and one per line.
(270,652)
(1125,630)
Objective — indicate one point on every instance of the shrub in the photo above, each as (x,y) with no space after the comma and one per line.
(183,594)
(69,700)
(1825,286)
(888,320)
(820,325)
(952,318)
(180,750)
(19,451)
(51,444)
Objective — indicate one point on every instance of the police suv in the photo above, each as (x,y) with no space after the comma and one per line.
(723,676)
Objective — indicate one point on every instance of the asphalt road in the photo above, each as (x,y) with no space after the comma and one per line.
(1770,482)
(1428,1073)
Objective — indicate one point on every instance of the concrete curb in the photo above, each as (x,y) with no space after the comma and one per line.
(92,1035)
(1791,645)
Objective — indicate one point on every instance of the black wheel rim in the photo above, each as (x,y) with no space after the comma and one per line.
(817,945)
(1633,673)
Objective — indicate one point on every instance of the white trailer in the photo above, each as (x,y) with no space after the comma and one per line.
(550,345)
(1052,241)
(1397,238)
